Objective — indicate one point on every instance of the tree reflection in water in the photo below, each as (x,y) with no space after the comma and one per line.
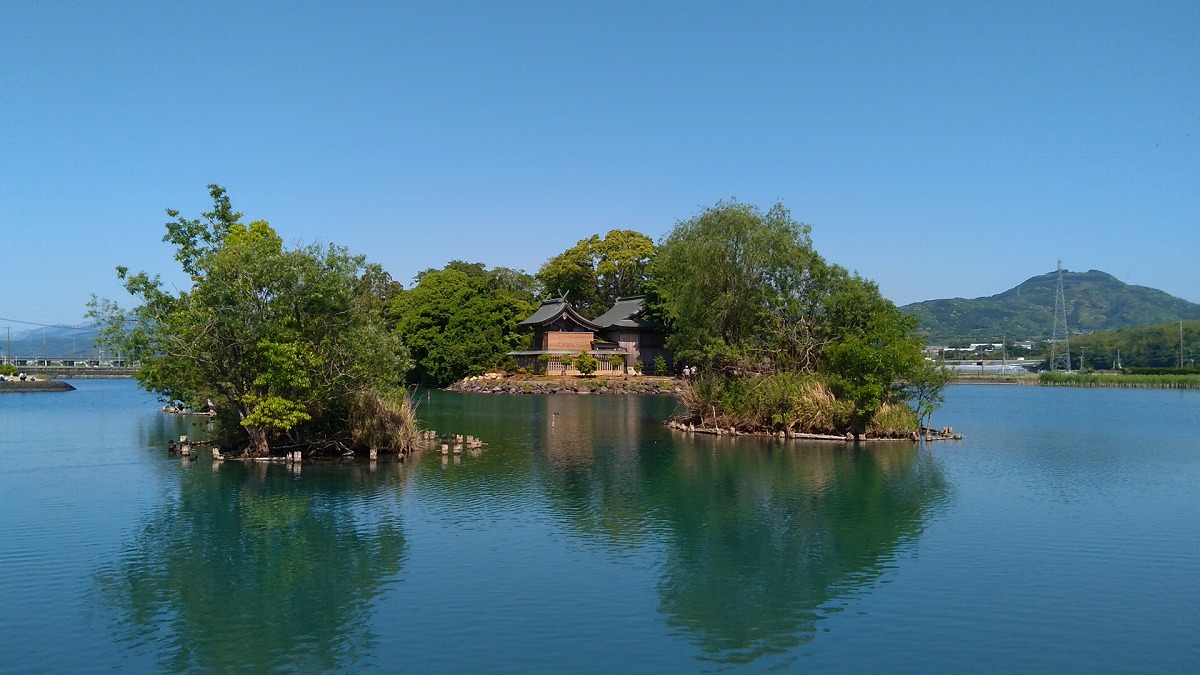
(761,538)
(252,566)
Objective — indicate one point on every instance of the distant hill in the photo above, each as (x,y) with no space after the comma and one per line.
(1095,301)
(56,341)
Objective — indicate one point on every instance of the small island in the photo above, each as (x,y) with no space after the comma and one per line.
(15,385)
(311,349)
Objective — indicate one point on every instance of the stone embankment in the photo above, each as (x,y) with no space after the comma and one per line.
(500,384)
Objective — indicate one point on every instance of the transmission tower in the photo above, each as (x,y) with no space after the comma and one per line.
(1060,341)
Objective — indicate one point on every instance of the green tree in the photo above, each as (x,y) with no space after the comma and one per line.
(596,271)
(462,320)
(586,364)
(285,343)
(741,289)
(744,295)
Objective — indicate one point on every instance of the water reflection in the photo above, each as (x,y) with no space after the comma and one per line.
(252,566)
(760,538)
(764,540)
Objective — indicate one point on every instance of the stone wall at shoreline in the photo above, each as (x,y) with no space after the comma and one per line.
(499,384)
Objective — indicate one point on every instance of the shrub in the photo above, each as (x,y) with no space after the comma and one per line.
(660,365)
(637,366)
(616,361)
(586,364)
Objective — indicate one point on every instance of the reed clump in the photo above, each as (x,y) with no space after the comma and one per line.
(788,402)
(384,421)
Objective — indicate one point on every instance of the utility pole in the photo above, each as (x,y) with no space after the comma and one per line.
(1060,333)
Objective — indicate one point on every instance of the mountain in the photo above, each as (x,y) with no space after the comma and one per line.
(1095,301)
(52,341)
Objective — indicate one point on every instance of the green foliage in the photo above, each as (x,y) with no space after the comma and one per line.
(616,361)
(462,320)
(660,365)
(383,419)
(1155,346)
(637,366)
(745,294)
(893,420)
(586,364)
(775,402)
(595,272)
(280,340)
(872,360)
(740,289)
(925,389)
(1096,301)
(1059,378)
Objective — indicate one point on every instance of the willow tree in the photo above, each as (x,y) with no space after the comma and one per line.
(744,295)
(289,345)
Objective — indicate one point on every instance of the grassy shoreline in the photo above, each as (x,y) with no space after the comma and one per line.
(1114,380)
(1119,380)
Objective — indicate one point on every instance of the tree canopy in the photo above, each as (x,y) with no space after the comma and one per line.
(596,271)
(463,319)
(286,343)
(743,293)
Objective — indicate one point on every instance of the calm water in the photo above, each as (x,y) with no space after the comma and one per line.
(1062,535)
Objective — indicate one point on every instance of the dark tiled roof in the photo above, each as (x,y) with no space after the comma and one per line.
(552,309)
(625,313)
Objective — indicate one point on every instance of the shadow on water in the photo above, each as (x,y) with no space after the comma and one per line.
(759,540)
(256,567)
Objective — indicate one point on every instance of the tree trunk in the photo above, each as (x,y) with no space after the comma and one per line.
(258,442)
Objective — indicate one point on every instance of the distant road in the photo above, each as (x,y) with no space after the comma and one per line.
(78,372)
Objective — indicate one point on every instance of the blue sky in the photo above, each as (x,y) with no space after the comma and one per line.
(942,149)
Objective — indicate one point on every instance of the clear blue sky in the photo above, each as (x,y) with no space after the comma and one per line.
(942,149)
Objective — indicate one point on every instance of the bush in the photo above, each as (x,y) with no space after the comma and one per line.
(8,370)
(660,365)
(637,366)
(586,364)
(616,361)
(543,363)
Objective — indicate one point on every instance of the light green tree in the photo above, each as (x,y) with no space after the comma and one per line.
(596,271)
(745,296)
(287,344)
(586,364)
(741,289)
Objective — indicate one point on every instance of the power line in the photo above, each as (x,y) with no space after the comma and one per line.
(46,325)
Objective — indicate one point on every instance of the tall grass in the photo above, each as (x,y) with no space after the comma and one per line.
(384,421)
(783,402)
(1055,378)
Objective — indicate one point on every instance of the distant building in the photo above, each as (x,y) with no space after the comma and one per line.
(559,330)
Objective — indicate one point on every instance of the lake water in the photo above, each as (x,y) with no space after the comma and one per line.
(1062,535)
